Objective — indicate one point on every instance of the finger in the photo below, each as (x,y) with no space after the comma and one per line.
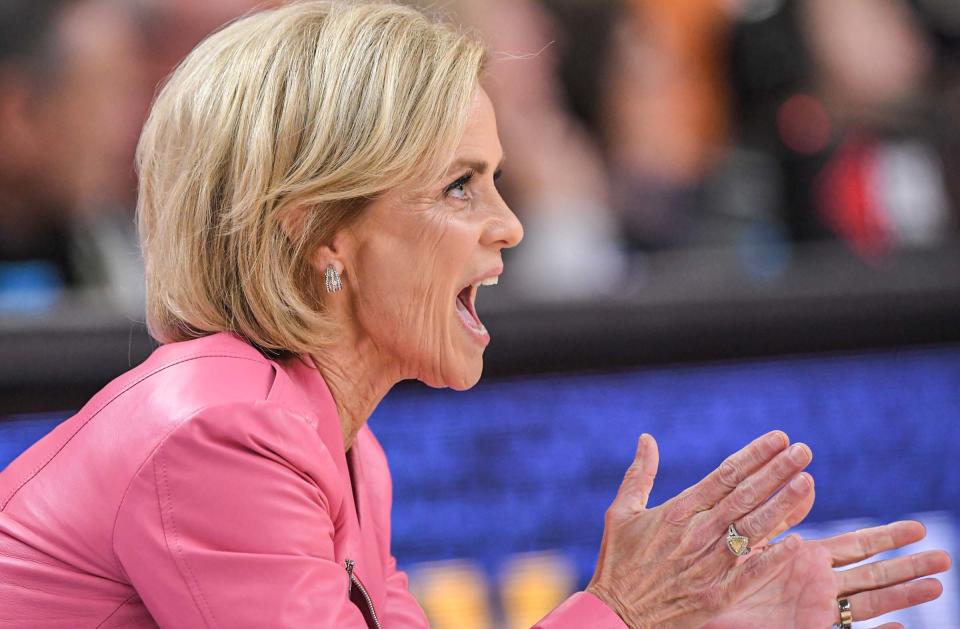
(797,516)
(892,571)
(859,545)
(759,487)
(734,470)
(638,481)
(875,603)
(759,524)
(762,566)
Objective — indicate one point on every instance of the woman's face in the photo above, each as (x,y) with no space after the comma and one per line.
(417,258)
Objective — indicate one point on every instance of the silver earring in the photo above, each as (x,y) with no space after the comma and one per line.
(331,280)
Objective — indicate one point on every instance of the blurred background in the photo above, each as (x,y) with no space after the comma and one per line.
(740,215)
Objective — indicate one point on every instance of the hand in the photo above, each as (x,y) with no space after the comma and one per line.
(804,592)
(669,566)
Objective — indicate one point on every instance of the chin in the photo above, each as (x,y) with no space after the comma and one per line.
(461,378)
(467,382)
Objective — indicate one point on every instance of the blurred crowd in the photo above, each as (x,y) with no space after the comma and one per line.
(630,127)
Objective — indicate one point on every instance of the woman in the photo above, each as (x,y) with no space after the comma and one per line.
(317,210)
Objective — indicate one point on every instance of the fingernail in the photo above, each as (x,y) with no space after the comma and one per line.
(798,453)
(799,482)
(792,542)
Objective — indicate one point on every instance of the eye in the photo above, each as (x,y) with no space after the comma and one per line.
(458,189)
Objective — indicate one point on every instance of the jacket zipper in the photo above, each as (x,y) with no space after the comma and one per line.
(354,581)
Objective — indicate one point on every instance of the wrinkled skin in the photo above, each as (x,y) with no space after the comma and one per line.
(413,255)
(403,264)
(802,593)
(667,566)
(799,593)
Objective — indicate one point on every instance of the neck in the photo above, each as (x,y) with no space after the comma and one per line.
(358,377)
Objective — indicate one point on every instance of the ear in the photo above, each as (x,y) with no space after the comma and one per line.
(333,253)
(329,255)
(339,252)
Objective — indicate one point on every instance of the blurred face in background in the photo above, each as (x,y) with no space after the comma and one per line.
(70,128)
(97,108)
(173,27)
(867,52)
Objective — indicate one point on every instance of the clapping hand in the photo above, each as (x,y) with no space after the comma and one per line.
(669,566)
(804,592)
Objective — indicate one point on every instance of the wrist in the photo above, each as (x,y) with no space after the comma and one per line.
(610,600)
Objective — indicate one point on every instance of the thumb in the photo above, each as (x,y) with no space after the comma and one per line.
(638,481)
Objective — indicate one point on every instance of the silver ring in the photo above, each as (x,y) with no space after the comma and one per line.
(737,543)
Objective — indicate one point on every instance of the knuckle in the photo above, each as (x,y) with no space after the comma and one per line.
(864,544)
(783,467)
(635,475)
(755,525)
(878,572)
(702,536)
(917,566)
(746,498)
(785,502)
(729,474)
(749,528)
(759,456)
(680,510)
(614,514)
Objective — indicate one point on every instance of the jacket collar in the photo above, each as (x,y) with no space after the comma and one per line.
(310,383)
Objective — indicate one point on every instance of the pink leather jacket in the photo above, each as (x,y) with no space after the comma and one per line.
(209,487)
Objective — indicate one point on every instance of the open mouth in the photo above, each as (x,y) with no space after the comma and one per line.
(467,308)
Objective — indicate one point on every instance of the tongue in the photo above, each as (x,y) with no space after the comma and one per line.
(463,304)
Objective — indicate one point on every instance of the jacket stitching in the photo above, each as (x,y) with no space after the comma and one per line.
(40,467)
(146,459)
(153,456)
(116,518)
(179,548)
(119,607)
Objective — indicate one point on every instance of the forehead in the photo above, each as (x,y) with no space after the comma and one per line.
(480,139)
(479,149)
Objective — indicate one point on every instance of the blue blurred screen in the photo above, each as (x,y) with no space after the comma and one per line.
(531,464)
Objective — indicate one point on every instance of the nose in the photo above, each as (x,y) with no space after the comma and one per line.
(504,230)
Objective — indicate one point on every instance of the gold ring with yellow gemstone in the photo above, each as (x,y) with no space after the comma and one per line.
(737,543)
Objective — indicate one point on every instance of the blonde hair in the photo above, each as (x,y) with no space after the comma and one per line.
(316,105)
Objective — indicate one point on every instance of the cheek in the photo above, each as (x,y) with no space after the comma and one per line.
(407,299)
(405,278)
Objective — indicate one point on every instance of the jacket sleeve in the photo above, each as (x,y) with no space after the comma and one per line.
(581,610)
(228,524)
(402,610)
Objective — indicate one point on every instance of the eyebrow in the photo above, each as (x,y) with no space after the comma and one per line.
(477,166)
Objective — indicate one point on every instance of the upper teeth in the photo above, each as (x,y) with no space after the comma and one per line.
(490,281)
